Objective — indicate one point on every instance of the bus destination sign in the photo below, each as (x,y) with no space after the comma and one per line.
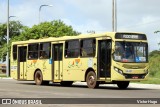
(130,36)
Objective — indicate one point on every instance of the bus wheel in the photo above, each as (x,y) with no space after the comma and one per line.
(66,83)
(38,78)
(91,80)
(122,84)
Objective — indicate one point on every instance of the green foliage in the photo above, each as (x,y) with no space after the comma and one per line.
(3,75)
(154,53)
(151,80)
(154,68)
(154,63)
(15,29)
(47,29)
(19,32)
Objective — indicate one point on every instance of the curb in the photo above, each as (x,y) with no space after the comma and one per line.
(149,86)
(5,78)
(131,85)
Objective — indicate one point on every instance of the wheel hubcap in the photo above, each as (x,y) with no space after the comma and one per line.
(38,78)
(91,80)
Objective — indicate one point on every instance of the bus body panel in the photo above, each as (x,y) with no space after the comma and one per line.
(60,67)
(41,64)
(75,68)
(13,69)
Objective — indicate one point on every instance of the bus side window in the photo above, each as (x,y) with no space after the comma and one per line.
(66,49)
(33,51)
(72,49)
(88,47)
(44,51)
(83,52)
(14,52)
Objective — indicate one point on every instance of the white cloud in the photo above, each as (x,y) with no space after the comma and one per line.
(84,15)
(3,11)
(91,25)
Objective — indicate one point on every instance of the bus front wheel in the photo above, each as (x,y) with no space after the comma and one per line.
(91,80)
(122,84)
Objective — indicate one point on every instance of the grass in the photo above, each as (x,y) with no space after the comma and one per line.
(3,75)
(151,81)
(153,78)
(154,69)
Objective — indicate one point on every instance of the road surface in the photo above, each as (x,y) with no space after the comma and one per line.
(10,88)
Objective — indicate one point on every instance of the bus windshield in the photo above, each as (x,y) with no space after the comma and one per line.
(131,52)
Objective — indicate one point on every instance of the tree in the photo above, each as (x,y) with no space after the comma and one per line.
(157,32)
(19,32)
(15,29)
(55,28)
(154,53)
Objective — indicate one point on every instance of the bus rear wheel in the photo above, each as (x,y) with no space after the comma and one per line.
(39,78)
(123,84)
(91,80)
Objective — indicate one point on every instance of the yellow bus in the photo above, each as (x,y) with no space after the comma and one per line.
(111,57)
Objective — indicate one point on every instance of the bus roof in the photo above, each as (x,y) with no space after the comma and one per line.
(81,36)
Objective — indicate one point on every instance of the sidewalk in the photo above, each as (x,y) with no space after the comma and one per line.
(148,86)
(5,78)
(131,85)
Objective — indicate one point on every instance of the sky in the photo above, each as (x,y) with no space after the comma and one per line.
(90,15)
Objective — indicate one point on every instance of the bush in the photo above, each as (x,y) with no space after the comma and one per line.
(154,64)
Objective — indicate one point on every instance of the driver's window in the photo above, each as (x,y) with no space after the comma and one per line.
(119,50)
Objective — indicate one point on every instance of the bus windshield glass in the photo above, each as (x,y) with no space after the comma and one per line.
(136,52)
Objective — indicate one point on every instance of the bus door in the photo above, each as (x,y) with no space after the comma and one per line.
(104,58)
(57,53)
(22,62)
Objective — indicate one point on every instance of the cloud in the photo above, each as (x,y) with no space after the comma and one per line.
(3,11)
(84,15)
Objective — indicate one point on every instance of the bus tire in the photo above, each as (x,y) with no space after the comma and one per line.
(38,77)
(91,80)
(123,84)
(66,83)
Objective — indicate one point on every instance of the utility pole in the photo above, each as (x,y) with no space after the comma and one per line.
(114,15)
(7,57)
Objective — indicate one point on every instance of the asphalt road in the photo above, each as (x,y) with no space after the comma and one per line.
(10,88)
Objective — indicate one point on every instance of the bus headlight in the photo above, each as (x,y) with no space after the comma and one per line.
(118,70)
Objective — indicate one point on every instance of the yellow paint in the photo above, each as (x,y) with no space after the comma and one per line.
(70,69)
